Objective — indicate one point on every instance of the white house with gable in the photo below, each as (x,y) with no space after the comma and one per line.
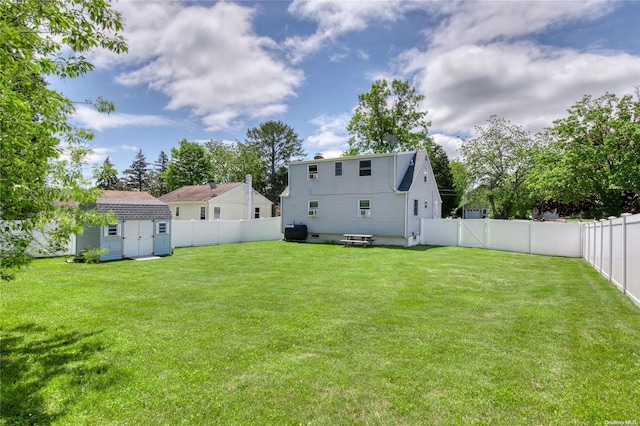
(223,201)
(384,195)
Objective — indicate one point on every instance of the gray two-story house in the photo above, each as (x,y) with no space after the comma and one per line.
(384,195)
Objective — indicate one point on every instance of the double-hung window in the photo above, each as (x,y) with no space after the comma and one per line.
(177,211)
(312,171)
(365,167)
(203,213)
(364,208)
(216,212)
(338,168)
(313,208)
(415,208)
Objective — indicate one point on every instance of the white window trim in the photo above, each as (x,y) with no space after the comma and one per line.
(341,169)
(118,230)
(364,211)
(158,228)
(313,211)
(312,175)
(361,169)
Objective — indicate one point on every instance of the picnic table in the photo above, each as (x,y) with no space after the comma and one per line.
(357,239)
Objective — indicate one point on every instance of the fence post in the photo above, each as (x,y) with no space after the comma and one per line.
(459,232)
(611,247)
(624,252)
(601,244)
(531,237)
(487,236)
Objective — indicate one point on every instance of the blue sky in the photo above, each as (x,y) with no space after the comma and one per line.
(205,70)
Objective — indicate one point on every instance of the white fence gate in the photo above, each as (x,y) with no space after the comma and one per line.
(556,239)
(611,246)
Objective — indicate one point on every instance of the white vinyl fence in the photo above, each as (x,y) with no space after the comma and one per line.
(185,233)
(612,247)
(555,239)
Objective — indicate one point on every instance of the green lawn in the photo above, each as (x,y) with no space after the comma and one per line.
(283,333)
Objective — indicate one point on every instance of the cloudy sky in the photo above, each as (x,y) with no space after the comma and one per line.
(205,70)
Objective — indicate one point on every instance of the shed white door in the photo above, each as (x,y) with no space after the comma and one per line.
(138,238)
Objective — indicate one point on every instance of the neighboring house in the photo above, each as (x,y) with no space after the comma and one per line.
(224,201)
(143,226)
(475,211)
(385,195)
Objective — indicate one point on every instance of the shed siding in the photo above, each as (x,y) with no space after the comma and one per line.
(89,239)
(112,244)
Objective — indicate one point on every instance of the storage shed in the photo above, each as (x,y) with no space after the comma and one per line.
(143,227)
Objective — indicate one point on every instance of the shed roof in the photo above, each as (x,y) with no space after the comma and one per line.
(132,205)
(198,192)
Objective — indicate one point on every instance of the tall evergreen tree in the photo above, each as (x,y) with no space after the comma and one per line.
(156,182)
(106,176)
(277,143)
(444,178)
(137,175)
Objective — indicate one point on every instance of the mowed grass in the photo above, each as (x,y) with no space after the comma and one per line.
(283,333)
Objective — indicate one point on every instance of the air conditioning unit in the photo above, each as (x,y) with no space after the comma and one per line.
(365,213)
(313,176)
(313,212)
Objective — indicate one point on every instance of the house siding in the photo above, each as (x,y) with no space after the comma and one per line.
(233,204)
(338,197)
(392,219)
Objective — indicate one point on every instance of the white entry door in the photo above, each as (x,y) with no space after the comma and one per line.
(138,238)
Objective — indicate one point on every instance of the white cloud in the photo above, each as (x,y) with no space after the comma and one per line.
(89,117)
(331,135)
(478,63)
(523,82)
(450,144)
(479,22)
(335,18)
(206,59)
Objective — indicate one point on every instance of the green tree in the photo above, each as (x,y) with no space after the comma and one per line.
(37,189)
(189,165)
(156,184)
(136,177)
(106,175)
(388,119)
(444,178)
(591,160)
(461,182)
(498,161)
(233,162)
(276,143)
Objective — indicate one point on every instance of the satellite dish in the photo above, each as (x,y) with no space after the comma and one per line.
(392,140)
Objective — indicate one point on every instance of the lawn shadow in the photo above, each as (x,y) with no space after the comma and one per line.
(36,359)
(412,248)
